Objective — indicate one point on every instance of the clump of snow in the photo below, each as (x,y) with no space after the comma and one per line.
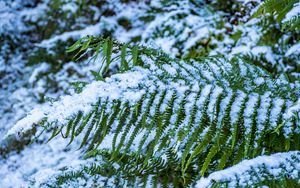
(266,51)
(276,165)
(291,112)
(294,12)
(88,31)
(294,50)
(236,107)
(44,67)
(38,162)
(113,88)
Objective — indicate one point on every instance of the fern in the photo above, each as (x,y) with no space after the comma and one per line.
(277,170)
(281,8)
(211,113)
(147,118)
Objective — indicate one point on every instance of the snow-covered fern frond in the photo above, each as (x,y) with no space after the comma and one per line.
(281,168)
(172,120)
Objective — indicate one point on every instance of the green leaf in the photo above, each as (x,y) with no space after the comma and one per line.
(78,86)
(97,76)
(124,63)
(107,52)
(134,53)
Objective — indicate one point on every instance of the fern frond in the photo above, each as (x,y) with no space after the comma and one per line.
(282,9)
(282,168)
(199,109)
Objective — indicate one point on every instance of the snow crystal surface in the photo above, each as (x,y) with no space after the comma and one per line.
(88,31)
(294,50)
(70,105)
(40,161)
(241,170)
(292,13)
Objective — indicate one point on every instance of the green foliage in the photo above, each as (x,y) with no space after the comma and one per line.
(259,172)
(280,8)
(195,115)
(105,47)
(230,117)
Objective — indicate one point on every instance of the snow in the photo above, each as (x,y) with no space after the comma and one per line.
(247,1)
(70,7)
(294,50)
(201,33)
(240,49)
(236,107)
(259,81)
(266,51)
(88,31)
(68,106)
(21,87)
(44,67)
(40,161)
(170,69)
(294,12)
(275,111)
(291,111)
(212,101)
(273,164)
(249,110)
